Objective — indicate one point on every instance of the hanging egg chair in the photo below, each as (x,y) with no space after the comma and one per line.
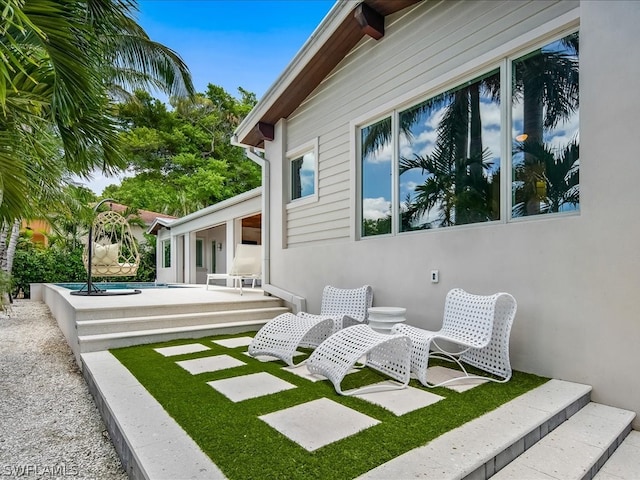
(112,247)
(111,251)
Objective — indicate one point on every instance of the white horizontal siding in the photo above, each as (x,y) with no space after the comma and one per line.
(421,44)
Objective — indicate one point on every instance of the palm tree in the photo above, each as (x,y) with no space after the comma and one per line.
(546,82)
(62,66)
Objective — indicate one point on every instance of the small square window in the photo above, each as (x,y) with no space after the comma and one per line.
(303,177)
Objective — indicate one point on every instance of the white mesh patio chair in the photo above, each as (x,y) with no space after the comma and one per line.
(360,344)
(347,306)
(477,326)
(282,336)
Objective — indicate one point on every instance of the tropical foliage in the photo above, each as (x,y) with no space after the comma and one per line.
(63,66)
(182,159)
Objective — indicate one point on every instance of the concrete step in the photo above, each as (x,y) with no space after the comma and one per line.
(624,464)
(577,449)
(105,341)
(112,312)
(155,322)
(480,448)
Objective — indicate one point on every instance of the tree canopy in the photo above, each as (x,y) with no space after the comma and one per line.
(181,160)
(63,66)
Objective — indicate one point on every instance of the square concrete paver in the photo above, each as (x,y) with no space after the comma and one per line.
(255,385)
(400,401)
(315,424)
(182,349)
(210,364)
(441,374)
(234,342)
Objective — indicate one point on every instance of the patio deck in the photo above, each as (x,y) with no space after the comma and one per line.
(538,435)
(98,323)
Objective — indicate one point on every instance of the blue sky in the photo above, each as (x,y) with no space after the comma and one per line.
(230,43)
(233,43)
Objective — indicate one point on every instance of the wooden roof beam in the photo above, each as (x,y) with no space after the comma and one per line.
(370,21)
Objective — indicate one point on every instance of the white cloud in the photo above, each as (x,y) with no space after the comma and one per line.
(375,208)
(382,155)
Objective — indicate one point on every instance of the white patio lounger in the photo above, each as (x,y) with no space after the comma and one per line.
(282,336)
(388,354)
(347,306)
(480,325)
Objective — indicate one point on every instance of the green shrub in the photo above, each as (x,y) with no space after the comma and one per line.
(37,264)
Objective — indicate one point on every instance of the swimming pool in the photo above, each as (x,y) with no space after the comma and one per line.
(118,285)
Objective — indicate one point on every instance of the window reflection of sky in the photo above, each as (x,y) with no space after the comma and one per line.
(308,174)
(376,182)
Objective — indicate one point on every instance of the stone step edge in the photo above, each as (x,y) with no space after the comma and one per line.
(623,425)
(160,331)
(80,324)
(85,314)
(623,463)
(132,416)
(483,445)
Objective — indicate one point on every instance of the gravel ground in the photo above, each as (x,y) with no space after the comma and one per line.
(49,425)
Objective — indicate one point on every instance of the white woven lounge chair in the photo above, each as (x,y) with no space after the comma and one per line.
(480,325)
(388,354)
(347,306)
(283,335)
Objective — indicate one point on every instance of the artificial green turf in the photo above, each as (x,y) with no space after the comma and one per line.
(244,447)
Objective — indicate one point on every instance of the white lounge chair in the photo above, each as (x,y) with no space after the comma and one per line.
(347,306)
(283,335)
(478,325)
(338,354)
(246,265)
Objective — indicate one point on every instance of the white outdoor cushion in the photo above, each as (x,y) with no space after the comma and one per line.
(105,254)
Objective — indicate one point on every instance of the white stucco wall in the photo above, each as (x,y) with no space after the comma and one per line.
(575,278)
(221,223)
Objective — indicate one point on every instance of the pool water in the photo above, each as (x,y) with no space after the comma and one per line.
(118,285)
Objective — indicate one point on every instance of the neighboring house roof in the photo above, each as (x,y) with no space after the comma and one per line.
(147,216)
(168,223)
(340,31)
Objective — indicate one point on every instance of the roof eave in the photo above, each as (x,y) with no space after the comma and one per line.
(338,33)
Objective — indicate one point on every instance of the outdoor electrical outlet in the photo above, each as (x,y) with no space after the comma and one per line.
(435,276)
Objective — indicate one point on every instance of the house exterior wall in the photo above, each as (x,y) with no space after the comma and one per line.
(222,225)
(574,277)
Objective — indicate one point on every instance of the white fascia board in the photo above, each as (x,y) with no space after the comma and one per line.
(243,197)
(320,35)
(163,222)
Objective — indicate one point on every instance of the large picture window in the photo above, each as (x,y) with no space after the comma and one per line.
(546,159)
(441,162)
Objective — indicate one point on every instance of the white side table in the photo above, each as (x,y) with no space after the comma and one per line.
(381,319)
